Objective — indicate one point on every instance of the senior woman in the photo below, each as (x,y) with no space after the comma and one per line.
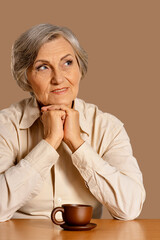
(54,147)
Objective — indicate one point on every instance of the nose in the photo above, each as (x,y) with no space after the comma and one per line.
(57,77)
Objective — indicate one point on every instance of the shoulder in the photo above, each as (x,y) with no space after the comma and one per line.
(10,120)
(102,127)
(93,114)
(9,123)
(13,113)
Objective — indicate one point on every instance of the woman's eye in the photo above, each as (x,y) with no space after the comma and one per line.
(69,62)
(42,67)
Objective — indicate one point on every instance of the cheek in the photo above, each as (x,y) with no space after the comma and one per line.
(76,77)
(75,84)
(39,91)
(35,82)
(38,85)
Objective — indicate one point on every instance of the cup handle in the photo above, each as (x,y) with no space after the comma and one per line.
(53,214)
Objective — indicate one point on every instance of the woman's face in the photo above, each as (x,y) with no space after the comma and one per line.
(55,74)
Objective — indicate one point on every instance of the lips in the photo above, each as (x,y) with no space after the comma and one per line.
(60,90)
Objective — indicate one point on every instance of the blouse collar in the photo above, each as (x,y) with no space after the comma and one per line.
(31,113)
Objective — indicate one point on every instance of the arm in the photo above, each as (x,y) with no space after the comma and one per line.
(113,175)
(113,178)
(19,183)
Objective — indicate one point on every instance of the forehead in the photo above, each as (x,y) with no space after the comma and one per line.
(58,46)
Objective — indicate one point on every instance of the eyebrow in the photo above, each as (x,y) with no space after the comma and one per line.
(43,60)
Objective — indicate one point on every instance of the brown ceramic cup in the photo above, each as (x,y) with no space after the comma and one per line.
(73,214)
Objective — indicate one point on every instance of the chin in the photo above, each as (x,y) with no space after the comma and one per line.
(62,102)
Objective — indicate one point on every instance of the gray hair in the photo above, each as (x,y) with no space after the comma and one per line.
(26,48)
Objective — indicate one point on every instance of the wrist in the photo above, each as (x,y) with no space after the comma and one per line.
(74,145)
(54,143)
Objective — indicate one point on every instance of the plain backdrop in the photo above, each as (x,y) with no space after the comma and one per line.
(122,39)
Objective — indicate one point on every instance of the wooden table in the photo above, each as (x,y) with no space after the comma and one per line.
(20,229)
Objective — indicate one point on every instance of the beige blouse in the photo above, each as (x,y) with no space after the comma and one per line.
(35,178)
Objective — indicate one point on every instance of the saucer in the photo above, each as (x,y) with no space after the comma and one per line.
(88,226)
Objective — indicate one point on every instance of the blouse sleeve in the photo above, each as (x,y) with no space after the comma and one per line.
(114,177)
(21,182)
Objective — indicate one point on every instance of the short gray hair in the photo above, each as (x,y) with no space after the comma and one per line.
(26,48)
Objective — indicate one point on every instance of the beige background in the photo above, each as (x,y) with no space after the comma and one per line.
(122,39)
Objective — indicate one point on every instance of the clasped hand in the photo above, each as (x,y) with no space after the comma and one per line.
(61,123)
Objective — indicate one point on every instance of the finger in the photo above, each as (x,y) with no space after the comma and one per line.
(55,107)
(62,108)
(58,113)
(45,108)
(43,114)
(63,116)
(51,107)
